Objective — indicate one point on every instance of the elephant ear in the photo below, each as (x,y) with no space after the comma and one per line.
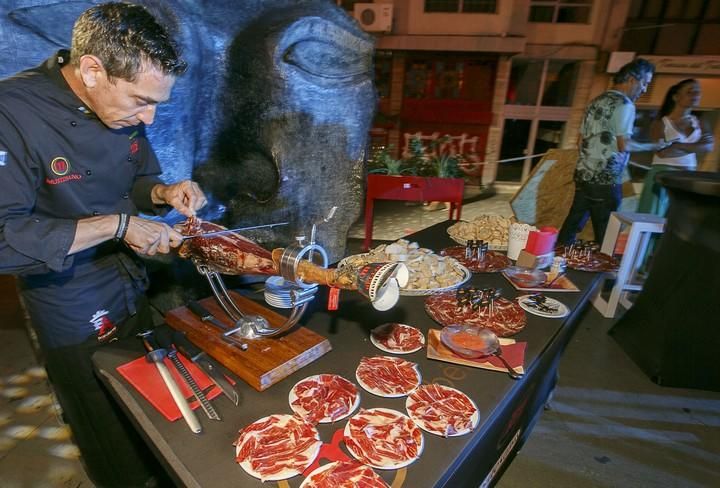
(53,22)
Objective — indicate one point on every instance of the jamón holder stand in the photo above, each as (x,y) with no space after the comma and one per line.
(289,292)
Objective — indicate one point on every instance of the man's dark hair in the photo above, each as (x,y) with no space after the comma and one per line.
(125,37)
(637,68)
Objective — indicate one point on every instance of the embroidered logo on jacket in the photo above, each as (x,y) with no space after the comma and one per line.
(61,167)
(102,325)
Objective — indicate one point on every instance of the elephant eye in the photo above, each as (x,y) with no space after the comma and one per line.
(329,60)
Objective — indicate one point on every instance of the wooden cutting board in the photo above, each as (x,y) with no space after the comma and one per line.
(267,360)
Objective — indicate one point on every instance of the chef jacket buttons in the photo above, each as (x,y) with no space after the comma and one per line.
(95,213)
(36,220)
(88,172)
(125,196)
(129,159)
(73,123)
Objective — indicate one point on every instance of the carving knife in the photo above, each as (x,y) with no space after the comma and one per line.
(199,395)
(156,356)
(227,231)
(202,360)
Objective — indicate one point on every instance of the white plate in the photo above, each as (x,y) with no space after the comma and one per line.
(399,415)
(292,396)
(562,310)
(412,292)
(424,425)
(409,329)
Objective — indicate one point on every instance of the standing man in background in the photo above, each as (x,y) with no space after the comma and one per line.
(605,143)
(75,169)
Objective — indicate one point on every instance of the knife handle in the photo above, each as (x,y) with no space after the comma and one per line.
(186,347)
(199,310)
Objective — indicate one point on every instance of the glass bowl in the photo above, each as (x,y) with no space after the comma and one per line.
(525,277)
(467,341)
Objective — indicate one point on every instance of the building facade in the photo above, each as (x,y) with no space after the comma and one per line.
(510,79)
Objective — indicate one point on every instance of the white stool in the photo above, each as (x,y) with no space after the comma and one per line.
(642,226)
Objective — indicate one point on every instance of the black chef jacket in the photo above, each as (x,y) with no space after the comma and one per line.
(58,164)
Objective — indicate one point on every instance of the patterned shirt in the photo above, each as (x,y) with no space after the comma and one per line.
(609,115)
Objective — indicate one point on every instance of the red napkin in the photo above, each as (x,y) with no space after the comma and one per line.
(514,354)
(145,377)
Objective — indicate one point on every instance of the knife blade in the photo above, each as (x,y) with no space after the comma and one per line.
(190,381)
(227,231)
(156,356)
(203,361)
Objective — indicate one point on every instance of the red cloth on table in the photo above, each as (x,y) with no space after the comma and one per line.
(146,379)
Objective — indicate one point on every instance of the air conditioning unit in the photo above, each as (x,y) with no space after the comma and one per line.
(374,17)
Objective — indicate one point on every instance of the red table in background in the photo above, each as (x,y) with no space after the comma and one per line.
(411,188)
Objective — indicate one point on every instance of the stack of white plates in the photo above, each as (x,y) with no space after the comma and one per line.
(280,293)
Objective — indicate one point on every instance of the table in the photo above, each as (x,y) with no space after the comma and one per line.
(508,408)
(411,188)
(671,331)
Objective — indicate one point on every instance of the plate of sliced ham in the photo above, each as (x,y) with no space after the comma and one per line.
(344,474)
(506,318)
(442,410)
(397,338)
(383,438)
(324,398)
(492,262)
(387,376)
(277,447)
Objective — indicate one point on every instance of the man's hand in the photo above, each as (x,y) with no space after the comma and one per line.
(150,237)
(186,197)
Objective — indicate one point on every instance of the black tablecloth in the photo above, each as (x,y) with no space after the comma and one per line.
(508,408)
(672,331)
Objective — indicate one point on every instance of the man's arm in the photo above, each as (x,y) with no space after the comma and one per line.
(628,144)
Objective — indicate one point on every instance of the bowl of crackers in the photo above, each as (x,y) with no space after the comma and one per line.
(493,229)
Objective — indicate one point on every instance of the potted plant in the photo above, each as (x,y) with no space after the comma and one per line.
(392,179)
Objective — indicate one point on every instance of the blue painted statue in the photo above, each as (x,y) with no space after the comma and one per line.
(271,118)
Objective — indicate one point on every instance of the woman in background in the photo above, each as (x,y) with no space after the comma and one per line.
(675,123)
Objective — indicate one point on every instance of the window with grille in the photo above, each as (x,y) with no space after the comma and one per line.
(461,6)
(560,11)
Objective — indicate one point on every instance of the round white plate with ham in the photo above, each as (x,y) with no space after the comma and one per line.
(442,410)
(324,398)
(344,474)
(387,376)
(507,318)
(397,338)
(277,447)
(383,438)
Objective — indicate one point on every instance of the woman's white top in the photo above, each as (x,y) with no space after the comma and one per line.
(687,161)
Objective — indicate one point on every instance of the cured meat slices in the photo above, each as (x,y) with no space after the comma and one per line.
(492,263)
(324,398)
(442,410)
(387,376)
(397,338)
(507,319)
(383,438)
(595,262)
(344,474)
(277,447)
